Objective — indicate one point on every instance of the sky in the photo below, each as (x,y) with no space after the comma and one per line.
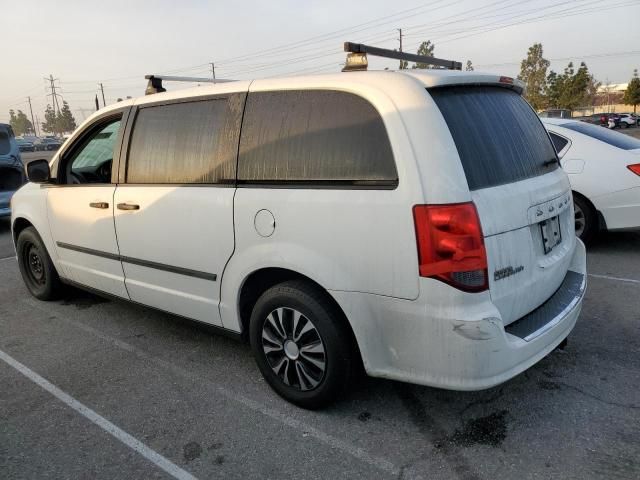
(116,43)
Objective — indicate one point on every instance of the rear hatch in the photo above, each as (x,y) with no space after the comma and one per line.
(522,196)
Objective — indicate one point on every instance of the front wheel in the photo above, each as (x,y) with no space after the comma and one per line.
(301,344)
(36,267)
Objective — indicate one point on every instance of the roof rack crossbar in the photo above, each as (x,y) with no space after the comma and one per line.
(410,57)
(155,82)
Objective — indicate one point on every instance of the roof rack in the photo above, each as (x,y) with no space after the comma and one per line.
(155,82)
(357,57)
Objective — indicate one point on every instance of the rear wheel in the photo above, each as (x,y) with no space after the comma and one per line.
(623,125)
(586,219)
(36,267)
(301,344)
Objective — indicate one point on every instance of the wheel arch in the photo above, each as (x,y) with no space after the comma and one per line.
(19,224)
(602,223)
(259,281)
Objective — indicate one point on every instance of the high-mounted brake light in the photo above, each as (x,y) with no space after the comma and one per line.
(507,80)
(635,168)
(451,245)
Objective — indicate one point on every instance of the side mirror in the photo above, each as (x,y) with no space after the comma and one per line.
(38,171)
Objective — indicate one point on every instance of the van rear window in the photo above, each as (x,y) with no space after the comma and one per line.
(499,137)
(605,135)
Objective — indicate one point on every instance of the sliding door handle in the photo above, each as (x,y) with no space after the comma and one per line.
(128,206)
(99,205)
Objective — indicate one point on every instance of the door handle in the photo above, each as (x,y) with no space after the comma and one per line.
(128,206)
(99,205)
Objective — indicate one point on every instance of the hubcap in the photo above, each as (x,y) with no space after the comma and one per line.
(580,220)
(294,349)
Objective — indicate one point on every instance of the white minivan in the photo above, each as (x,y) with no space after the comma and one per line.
(415,223)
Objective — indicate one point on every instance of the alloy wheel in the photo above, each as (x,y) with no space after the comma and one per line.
(580,220)
(294,349)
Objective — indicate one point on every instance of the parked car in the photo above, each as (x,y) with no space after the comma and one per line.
(11,169)
(602,119)
(25,146)
(48,144)
(332,221)
(604,169)
(628,120)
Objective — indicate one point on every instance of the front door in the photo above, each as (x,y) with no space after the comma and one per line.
(174,212)
(80,208)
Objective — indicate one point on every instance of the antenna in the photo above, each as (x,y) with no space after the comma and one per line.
(357,57)
(155,82)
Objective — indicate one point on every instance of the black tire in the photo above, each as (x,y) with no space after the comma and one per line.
(313,304)
(36,267)
(623,125)
(586,214)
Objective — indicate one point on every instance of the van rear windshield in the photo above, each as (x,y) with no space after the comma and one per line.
(499,137)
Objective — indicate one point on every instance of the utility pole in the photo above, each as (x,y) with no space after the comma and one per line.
(400,39)
(213,71)
(104,103)
(33,122)
(54,96)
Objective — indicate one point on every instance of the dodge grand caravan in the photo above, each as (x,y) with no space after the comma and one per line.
(332,221)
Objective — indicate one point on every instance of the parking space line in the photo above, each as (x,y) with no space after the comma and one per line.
(617,279)
(151,455)
(377,462)
(7,258)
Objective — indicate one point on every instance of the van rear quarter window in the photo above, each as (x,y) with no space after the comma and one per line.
(499,137)
(314,136)
(187,142)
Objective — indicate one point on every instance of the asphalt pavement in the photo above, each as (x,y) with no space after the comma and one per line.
(198,401)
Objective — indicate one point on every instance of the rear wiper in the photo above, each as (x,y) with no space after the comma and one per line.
(551,162)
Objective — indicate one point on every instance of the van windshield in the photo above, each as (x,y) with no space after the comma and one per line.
(499,137)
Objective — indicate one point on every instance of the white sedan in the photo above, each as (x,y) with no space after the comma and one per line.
(604,170)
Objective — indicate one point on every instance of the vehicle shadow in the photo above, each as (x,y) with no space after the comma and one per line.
(5,225)
(615,242)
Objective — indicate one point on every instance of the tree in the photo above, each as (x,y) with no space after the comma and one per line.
(533,72)
(577,87)
(632,94)
(469,67)
(49,124)
(20,123)
(553,89)
(65,121)
(426,48)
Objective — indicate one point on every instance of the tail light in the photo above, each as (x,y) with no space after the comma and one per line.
(451,245)
(635,168)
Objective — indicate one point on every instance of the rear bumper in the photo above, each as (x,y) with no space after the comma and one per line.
(456,340)
(621,210)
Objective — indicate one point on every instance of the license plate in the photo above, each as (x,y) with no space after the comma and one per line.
(551,235)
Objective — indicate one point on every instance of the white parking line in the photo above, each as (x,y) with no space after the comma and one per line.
(7,258)
(617,279)
(360,454)
(151,455)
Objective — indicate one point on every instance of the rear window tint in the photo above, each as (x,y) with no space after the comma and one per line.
(605,135)
(498,136)
(314,136)
(5,145)
(558,142)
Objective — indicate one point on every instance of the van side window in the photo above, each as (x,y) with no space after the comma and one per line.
(314,136)
(194,142)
